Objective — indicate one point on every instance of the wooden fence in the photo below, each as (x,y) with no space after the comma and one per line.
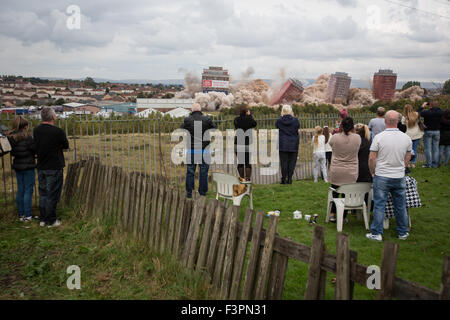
(241,259)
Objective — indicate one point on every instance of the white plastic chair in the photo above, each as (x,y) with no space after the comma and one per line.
(224,186)
(354,200)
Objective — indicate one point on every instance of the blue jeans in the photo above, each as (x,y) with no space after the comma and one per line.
(25,188)
(202,181)
(382,186)
(443,148)
(50,187)
(431,144)
(415,144)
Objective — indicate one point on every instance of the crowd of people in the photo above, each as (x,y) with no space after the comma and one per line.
(381,153)
(377,153)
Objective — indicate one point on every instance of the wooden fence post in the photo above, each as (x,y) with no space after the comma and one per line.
(342,267)
(315,283)
(229,254)
(444,293)
(263,274)
(277,276)
(388,266)
(253,257)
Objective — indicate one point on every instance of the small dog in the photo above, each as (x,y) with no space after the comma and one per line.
(239,189)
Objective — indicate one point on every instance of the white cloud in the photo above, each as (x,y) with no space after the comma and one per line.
(154,39)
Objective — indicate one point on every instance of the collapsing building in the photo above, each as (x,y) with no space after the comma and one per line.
(291,91)
(338,86)
(215,79)
(384,83)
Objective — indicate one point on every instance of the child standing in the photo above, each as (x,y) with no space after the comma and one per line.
(318,144)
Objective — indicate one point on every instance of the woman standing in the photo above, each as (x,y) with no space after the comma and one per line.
(288,142)
(411,120)
(24,164)
(318,143)
(344,165)
(364,174)
(328,150)
(243,140)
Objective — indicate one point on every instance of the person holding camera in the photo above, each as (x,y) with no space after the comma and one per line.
(431,114)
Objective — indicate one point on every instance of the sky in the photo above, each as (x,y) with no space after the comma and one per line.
(147,39)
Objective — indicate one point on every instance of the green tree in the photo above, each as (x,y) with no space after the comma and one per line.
(410,84)
(446,88)
(90,82)
(60,101)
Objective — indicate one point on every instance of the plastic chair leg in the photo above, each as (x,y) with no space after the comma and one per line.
(386,224)
(339,217)
(366,217)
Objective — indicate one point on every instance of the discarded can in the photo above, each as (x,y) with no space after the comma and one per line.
(297,214)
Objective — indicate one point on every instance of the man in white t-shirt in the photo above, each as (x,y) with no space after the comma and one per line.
(389,154)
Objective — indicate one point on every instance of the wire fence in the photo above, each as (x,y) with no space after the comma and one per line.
(146,145)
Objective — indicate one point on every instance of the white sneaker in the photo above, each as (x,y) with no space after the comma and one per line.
(27,219)
(376,237)
(22,219)
(42,224)
(404,237)
(57,223)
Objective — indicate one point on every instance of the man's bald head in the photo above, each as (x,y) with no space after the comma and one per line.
(391,119)
(196,107)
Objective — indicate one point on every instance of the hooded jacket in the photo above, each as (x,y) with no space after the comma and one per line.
(23,150)
(288,136)
(206,124)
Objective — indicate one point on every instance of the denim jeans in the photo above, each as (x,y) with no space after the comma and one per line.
(202,181)
(25,188)
(431,144)
(415,144)
(382,186)
(443,148)
(50,187)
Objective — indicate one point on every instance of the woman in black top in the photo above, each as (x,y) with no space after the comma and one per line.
(363,153)
(243,140)
(23,151)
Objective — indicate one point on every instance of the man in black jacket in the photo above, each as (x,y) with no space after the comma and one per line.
(197,124)
(431,120)
(50,142)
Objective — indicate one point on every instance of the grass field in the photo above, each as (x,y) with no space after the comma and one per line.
(33,260)
(420,257)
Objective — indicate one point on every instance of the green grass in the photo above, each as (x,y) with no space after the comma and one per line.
(420,257)
(34,260)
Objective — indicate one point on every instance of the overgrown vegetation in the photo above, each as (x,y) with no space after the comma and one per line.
(34,260)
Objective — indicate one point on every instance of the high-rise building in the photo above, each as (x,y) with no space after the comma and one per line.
(215,79)
(338,86)
(290,91)
(384,83)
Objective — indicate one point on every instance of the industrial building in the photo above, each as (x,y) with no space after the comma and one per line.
(215,79)
(163,105)
(384,83)
(338,86)
(291,90)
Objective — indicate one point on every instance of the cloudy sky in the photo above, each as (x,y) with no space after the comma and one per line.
(146,39)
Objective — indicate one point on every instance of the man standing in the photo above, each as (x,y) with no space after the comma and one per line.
(431,120)
(390,152)
(377,125)
(50,142)
(197,124)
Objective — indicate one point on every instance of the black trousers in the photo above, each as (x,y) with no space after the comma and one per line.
(50,187)
(287,161)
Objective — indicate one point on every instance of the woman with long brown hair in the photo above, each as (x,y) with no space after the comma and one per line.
(411,120)
(23,152)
